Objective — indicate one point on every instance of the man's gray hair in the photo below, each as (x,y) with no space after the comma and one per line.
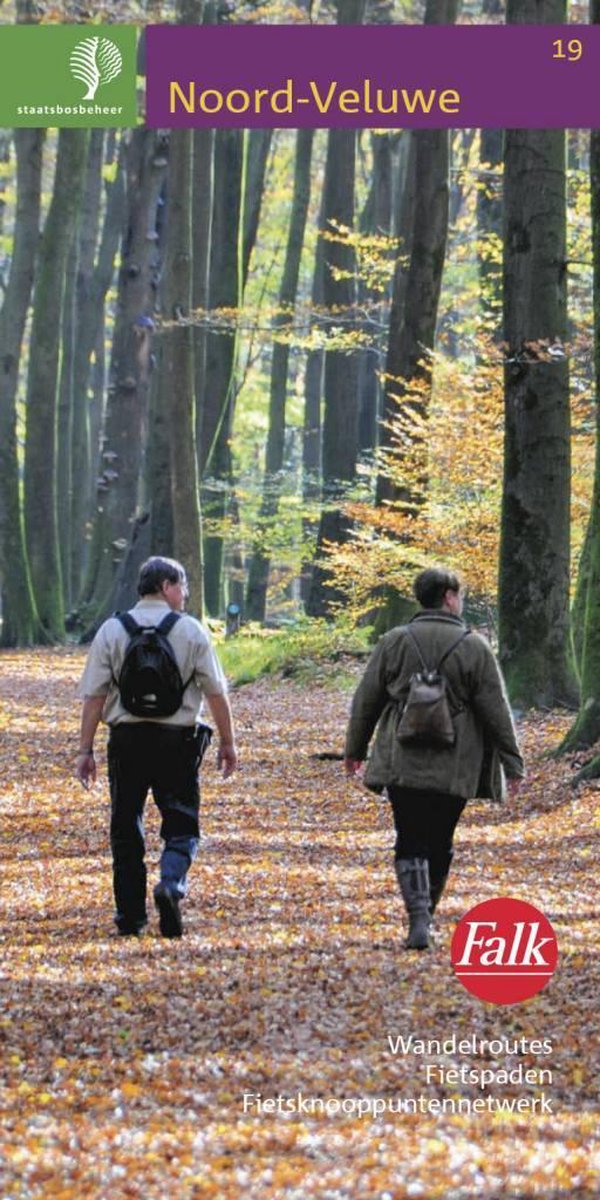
(156,571)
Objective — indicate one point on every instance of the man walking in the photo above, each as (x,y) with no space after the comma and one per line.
(445,734)
(145,676)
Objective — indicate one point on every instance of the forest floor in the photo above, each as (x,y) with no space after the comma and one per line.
(131,1068)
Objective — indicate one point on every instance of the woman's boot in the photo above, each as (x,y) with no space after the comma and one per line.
(438,877)
(413,878)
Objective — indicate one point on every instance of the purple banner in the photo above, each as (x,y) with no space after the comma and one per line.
(394,76)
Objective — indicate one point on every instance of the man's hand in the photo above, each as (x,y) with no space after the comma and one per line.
(85,768)
(227,753)
(513,787)
(352,766)
(227,758)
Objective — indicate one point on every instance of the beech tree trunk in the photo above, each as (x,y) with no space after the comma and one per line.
(119,468)
(376,219)
(311,433)
(240,164)
(489,229)
(20,625)
(94,277)
(202,200)
(586,729)
(40,466)
(178,397)
(416,291)
(415,301)
(258,576)
(535,531)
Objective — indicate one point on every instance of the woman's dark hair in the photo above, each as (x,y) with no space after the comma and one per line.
(155,571)
(431,586)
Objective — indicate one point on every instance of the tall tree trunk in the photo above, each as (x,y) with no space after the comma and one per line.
(489,229)
(586,729)
(94,277)
(340,424)
(416,291)
(489,211)
(217,409)
(311,433)
(258,576)
(64,425)
(42,385)
(202,200)
(415,302)
(178,365)
(422,226)
(240,164)
(19,616)
(73,465)
(376,220)
(126,411)
(535,532)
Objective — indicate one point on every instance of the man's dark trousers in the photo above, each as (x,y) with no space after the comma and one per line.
(164,758)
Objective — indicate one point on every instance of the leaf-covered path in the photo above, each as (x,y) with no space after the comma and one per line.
(125,1062)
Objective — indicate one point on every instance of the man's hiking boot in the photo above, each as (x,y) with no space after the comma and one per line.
(169,915)
(413,878)
(130,927)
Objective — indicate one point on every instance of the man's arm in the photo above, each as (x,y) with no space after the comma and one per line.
(221,712)
(91,712)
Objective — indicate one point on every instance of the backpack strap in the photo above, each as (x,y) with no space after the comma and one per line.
(165,628)
(129,624)
(168,622)
(415,642)
(465,633)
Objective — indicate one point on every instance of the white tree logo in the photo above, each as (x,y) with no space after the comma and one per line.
(95,61)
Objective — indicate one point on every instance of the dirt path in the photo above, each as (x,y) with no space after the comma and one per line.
(135,1068)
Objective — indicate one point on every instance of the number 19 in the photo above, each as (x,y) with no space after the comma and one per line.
(572,51)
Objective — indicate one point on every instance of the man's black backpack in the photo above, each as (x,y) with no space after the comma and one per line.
(150,683)
(426,718)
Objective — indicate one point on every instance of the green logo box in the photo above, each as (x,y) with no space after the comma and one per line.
(68,75)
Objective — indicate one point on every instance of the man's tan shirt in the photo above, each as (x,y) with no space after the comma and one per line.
(193,652)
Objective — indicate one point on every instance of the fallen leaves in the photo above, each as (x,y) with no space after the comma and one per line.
(126,1062)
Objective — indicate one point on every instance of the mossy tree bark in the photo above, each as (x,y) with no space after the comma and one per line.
(535,526)
(40,467)
(586,728)
(119,469)
(19,617)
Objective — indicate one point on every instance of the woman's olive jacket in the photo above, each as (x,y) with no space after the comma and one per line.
(486,744)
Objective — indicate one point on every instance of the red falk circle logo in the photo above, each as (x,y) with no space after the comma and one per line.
(504,950)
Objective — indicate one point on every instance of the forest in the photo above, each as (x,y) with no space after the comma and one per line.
(306,363)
